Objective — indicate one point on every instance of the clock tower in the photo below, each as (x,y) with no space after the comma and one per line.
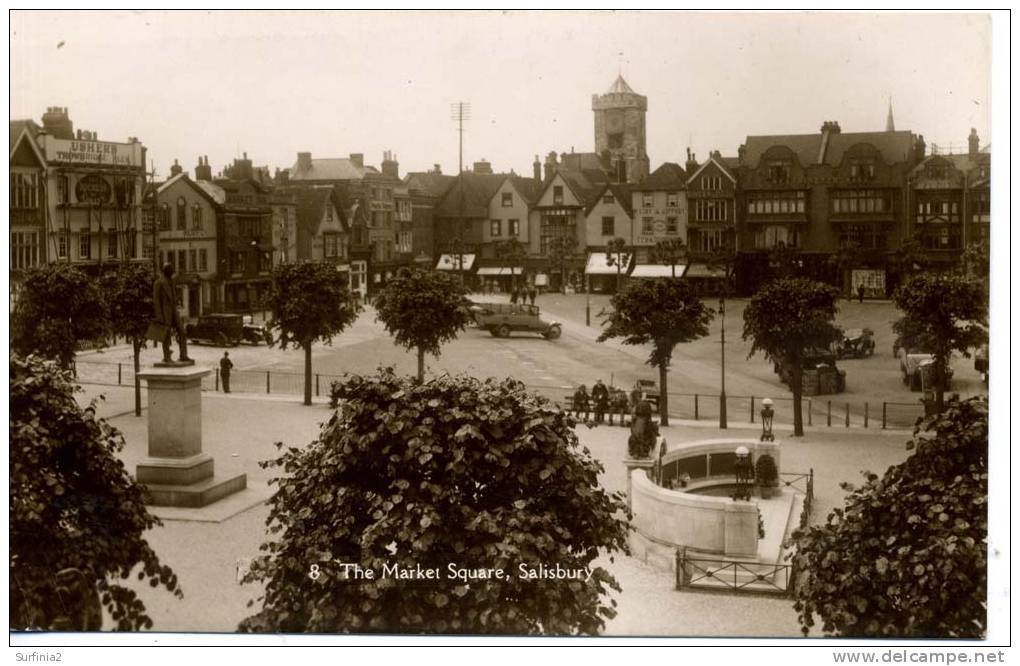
(620,131)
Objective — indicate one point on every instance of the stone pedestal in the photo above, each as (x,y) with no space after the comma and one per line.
(632,464)
(176,471)
(741,529)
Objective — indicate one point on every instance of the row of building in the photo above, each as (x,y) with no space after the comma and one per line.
(843,205)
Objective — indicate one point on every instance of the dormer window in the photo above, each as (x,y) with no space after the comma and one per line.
(862,171)
(557,194)
(935,171)
(507,199)
(779,172)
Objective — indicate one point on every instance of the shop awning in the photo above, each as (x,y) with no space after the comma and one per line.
(705,271)
(598,263)
(449,262)
(541,280)
(500,270)
(657,271)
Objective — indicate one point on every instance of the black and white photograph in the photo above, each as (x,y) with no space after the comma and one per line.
(584,327)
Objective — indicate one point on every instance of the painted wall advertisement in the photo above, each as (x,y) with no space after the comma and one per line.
(73,151)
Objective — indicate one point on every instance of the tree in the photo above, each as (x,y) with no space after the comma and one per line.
(408,476)
(423,310)
(58,306)
(663,313)
(906,556)
(310,302)
(843,261)
(128,292)
(786,318)
(615,253)
(73,505)
(942,313)
(783,261)
(976,261)
(512,254)
(670,252)
(562,251)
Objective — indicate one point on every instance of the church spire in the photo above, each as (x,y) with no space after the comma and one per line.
(890,126)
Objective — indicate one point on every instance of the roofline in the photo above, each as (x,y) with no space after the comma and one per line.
(721,168)
(194,185)
(32,143)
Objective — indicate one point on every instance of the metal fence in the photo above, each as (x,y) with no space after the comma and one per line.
(817,411)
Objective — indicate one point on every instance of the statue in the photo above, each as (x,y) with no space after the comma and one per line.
(166,319)
(643,431)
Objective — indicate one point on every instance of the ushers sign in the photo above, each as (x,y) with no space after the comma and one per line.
(73,151)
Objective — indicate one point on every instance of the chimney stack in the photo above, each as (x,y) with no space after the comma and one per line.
(304,161)
(358,160)
(482,166)
(203,171)
(437,169)
(550,165)
(973,143)
(175,169)
(390,166)
(57,123)
(536,169)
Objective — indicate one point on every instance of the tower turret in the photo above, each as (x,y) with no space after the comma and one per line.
(620,130)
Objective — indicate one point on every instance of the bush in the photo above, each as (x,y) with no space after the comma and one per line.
(765,471)
(455,470)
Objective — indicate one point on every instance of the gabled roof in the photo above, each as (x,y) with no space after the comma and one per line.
(19,126)
(214,191)
(330,168)
(429,182)
(478,191)
(964,163)
(669,176)
(894,146)
(621,193)
(529,188)
(309,204)
(712,160)
(586,184)
(210,194)
(23,132)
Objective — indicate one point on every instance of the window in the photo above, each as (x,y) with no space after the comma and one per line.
(193,260)
(671,225)
(672,200)
(935,171)
(265,262)
(710,210)
(330,245)
(779,172)
(84,244)
(24,249)
(557,194)
(147,251)
(111,243)
(711,182)
(647,200)
(164,217)
(196,218)
(182,261)
(404,241)
(772,236)
(859,201)
(772,203)
(496,228)
(608,197)
(646,225)
(24,190)
(182,214)
(706,240)
(868,236)
(237,262)
(616,140)
(608,226)
(132,243)
(203,260)
(62,189)
(513,228)
(62,243)
(507,199)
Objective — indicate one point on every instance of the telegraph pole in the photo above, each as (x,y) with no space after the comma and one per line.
(155,213)
(460,111)
(722,373)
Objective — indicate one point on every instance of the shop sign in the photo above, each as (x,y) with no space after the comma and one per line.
(72,151)
(92,189)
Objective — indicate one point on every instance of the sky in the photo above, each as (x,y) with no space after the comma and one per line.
(272,84)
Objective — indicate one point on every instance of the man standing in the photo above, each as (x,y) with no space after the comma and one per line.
(164,303)
(600,396)
(225,365)
(860,293)
(532,292)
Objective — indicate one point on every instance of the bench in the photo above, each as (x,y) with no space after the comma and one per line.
(568,403)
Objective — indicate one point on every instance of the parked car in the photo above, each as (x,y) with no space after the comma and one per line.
(830,378)
(917,367)
(223,329)
(501,319)
(856,343)
(255,333)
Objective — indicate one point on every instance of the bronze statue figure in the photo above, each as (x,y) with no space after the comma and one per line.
(643,431)
(164,302)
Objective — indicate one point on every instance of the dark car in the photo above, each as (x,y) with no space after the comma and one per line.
(501,319)
(227,330)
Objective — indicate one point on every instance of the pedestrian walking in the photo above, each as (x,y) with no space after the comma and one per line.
(600,396)
(513,296)
(860,293)
(532,293)
(225,365)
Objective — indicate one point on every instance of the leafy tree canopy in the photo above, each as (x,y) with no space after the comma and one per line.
(128,294)
(942,313)
(906,556)
(479,474)
(423,309)
(73,504)
(661,312)
(57,306)
(787,316)
(310,302)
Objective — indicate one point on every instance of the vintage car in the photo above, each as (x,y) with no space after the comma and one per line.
(501,319)
(856,343)
(918,370)
(816,359)
(256,333)
(226,330)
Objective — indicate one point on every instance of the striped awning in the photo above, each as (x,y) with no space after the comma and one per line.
(500,270)
(657,271)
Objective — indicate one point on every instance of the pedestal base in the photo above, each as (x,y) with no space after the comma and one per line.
(175,471)
(174,364)
(195,495)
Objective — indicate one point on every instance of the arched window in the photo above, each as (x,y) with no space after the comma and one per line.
(182,214)
(164,217)
(196,217)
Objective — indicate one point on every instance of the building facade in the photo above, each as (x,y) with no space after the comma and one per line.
(28,229)
(659,205)
(620,131)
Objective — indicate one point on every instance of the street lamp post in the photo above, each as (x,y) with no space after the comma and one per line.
(742,471)
(587,300)
(767,414)
(722,372)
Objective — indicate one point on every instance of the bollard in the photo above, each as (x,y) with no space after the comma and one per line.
(752,409)
(217,380)
(695,406)
(809,411)
(865,414)
(848,415)
(883,416)
(267,381)
(316,385)
(828,413)
(118,373)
